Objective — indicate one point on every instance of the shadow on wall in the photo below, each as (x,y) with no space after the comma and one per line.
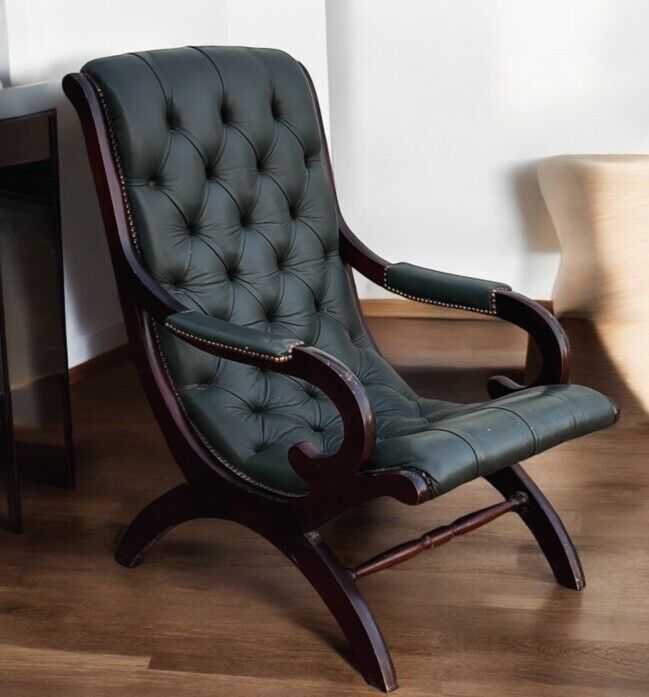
(95,323)
(536,223)
(4,45)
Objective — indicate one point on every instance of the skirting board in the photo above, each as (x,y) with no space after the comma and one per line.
(402,308)
(95,365)
(394,308)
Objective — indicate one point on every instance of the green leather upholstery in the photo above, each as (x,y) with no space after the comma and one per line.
(441,288)
(462,442)
(221,158)
(217,332)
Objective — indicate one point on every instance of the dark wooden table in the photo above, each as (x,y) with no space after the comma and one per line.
(36,432)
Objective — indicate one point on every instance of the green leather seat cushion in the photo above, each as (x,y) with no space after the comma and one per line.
(469,441)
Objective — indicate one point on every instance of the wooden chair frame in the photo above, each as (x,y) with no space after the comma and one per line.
(212,490)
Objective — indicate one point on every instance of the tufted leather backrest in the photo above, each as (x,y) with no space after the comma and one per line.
(233,214)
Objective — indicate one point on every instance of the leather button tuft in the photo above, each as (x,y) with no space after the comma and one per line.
(225,114)
(152,183)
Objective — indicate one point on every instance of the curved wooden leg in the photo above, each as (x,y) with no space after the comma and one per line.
(307,551)
(544,523)
(152,522)
(336,587)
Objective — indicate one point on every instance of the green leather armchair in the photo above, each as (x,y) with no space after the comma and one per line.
(233,264)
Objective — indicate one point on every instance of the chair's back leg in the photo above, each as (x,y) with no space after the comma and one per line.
(337,588)
(172,508)
(544,523)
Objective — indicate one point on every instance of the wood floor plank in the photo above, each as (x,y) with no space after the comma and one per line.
(216,611)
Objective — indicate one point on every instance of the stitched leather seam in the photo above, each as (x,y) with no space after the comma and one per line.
(271,81)
(148,61)
(307,184)
(219,182)
(280,187)
(308,224)
(462,438)
(573,407)
(245,136)
(244,351)
(174,203)
(214,65)
(290,128)
(271,150)
(228,465)
(471,308)
(511,411)
(186,135)
(247,287)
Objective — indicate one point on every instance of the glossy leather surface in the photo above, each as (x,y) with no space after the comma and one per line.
(441,288)
(462,442)
(234,216)
(246,340)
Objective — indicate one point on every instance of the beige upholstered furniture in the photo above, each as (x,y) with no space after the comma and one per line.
(600,208)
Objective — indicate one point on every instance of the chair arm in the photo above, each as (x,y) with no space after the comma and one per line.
(546,332)
(209,332)
(472,294)
(488,297)
(439,288)
(292,357)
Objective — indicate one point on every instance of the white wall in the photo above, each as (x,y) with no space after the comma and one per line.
(438,112)
(296,26)
(4,48)
(45,40)
(440,109)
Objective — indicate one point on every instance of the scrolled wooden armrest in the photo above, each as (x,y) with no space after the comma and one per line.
(541,325)
(252,346)
(347,393)
(546,332)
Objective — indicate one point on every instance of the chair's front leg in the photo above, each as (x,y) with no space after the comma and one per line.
(545,524)
(306,550)
(337,588)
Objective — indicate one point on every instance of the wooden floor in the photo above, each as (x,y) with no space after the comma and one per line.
(217,611)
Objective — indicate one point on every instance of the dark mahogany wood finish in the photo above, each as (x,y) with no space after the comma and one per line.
(545,525)
(212,490)
(439,536)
